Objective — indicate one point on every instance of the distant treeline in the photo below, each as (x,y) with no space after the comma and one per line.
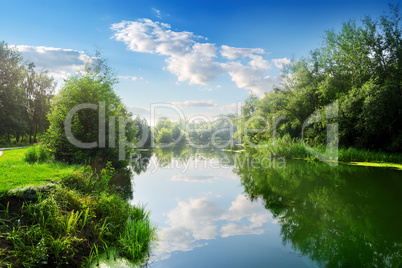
(25,96)
(360,68)
(201,133)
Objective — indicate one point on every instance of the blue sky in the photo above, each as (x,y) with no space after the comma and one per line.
(202,56)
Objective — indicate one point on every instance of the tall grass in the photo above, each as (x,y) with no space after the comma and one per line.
(361,155)
(135,241)
(294,148)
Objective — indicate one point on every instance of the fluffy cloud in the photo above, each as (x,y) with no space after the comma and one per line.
(232,53)
(280,63)
(127,77)
(201,219)
(60,62)
(195,62)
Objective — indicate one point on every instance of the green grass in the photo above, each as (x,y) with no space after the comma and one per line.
(135,241)
(68,223)
(16,172)
(293,148)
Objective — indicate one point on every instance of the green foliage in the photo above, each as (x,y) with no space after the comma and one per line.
(164,136)
(16,172)
(72,225)
(358,66)
(330,213)
(95,87)
(24,97)
(135,241)
(166,132)
(37,153)
(211,133)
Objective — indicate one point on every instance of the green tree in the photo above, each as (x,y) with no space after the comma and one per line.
(167,131)
(39,91)
(359,66)
(95,87)
(164,136)
(12,93)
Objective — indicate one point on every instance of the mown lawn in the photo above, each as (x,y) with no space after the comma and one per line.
(15,172)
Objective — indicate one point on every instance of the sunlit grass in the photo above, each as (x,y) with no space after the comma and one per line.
(71,223)
(16,172)
(293,148)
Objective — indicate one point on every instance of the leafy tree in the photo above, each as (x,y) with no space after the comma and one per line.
(359,66)
(12,95)
(167,131)
(24,96)
(164,136)
(39,91)
(94,86)
(143,135)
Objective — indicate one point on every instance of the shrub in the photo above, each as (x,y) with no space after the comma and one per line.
(37,153)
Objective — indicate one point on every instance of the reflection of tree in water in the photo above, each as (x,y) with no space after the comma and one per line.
(344,216)
(138,164)
(139,160)
(184,153)
(122,182)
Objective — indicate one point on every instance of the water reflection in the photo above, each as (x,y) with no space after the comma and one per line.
(209,201)
(345,216)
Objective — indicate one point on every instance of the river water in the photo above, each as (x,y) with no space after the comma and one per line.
(223,209)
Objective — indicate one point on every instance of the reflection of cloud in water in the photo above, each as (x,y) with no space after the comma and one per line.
(190,178)
(201,219)
(204,178)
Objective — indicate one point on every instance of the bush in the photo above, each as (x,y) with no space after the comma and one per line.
(37,153)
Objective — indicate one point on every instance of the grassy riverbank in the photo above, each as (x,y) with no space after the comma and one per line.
(294,148)
(68,219)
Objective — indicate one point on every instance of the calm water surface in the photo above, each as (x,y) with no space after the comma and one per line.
(221,209)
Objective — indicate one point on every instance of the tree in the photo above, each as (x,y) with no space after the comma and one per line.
(39,90)
(24,96)
(359,66)
(94,86)
(12,95)
(167,131)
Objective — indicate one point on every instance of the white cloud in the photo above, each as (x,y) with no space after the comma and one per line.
(189,178)
(232,229)
(195,62)
(201,103)
(280,63)
(196,66)
(60,62)
(232,53)
(230,108)
(200,219)
(249,77)
(127,77)
(157,12)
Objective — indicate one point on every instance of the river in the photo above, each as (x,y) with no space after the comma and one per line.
(222,209)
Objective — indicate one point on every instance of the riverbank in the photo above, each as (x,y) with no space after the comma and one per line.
(294,148)
(57,215)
